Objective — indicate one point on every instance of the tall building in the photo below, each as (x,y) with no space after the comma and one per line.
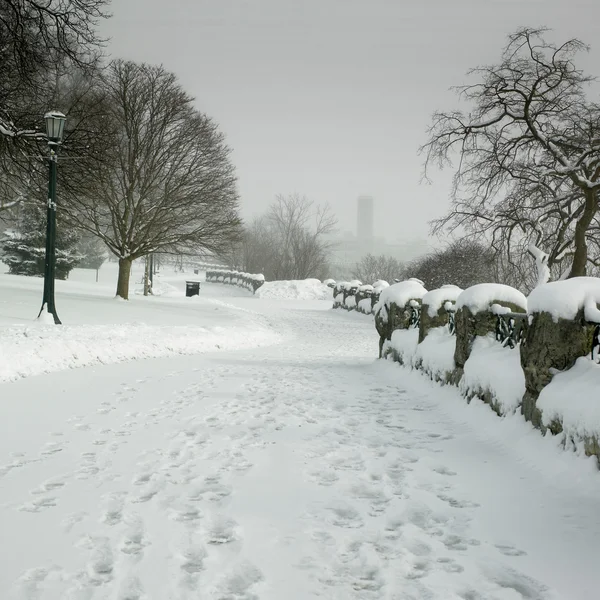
(365,233)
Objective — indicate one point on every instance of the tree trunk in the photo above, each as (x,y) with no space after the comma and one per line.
(123,279)
(147,276)
(578,269)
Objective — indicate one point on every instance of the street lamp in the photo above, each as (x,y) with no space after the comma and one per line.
(55,126)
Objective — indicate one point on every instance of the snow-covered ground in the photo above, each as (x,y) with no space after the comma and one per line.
(300,469)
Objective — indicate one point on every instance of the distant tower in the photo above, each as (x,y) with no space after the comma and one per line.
(364,223)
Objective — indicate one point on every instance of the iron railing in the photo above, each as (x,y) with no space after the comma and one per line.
(510,328)
(596,341)
(415,317)
(451,322)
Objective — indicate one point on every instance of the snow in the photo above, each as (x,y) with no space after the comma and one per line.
(400,293)
(33,350)
(306,289)
(572,398)
(541,264)
(45,318)
(435,299)
(351,301)
(564,299)
(298,470)
(435,353)
(479,297)
(365,305)
(404,343)
(490,367)
(380,284)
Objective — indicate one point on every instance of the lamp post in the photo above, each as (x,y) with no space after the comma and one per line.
(55,126)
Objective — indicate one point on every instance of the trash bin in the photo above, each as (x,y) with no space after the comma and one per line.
(192,288)
(195,271)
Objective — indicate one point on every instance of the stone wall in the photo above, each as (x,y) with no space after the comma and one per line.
(543,345)
(245,280)
(548,346)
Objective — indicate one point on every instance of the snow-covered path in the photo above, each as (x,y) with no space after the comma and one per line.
(296,471)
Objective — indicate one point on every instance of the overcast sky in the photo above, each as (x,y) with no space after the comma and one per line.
(331,98)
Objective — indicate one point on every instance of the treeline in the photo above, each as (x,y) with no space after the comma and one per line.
(141,169)
(289,241)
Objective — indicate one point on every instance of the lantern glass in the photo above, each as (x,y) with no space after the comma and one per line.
(55,125)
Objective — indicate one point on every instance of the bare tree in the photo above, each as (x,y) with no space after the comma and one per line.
(529,151)
(167,183)
(289,241)
(40,41)
(463,263)
(371,268)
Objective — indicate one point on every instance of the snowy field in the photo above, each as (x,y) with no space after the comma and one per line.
(266,455)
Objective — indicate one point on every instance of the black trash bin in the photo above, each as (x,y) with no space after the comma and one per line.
(192,288)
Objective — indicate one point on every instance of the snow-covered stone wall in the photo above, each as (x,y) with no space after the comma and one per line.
(537,356)
(245,280)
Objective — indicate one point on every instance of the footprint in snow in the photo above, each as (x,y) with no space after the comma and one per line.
(454,503)
(133,541)
(346,516)
(131,589)
(185,512)
(73,519)
(222,530)
(191,558)
(112,508)
(450,566)
(510,550)
(54,483)
(239,581)
(101,563)
(442,470)
(52,448)
(39,504)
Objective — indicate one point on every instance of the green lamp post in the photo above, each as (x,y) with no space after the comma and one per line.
(55,126)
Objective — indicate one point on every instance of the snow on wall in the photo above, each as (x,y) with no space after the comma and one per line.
(435,354)
(435,298)
(304,289)
(365,305)
(400,293)
(478,297)
(573,398)
(497,370)
(404,344)
(564,299)
(380,284)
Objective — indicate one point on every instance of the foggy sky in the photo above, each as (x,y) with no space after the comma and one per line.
(331,98)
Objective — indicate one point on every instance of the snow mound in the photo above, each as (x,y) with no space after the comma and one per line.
(572,398)
(436,298)
(478,298)
(495,369)
(34,350)
(380,284)
(435,354)
(304,289)
(564,299)
(400,293)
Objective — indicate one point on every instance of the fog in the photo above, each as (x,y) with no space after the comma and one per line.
(332,98)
